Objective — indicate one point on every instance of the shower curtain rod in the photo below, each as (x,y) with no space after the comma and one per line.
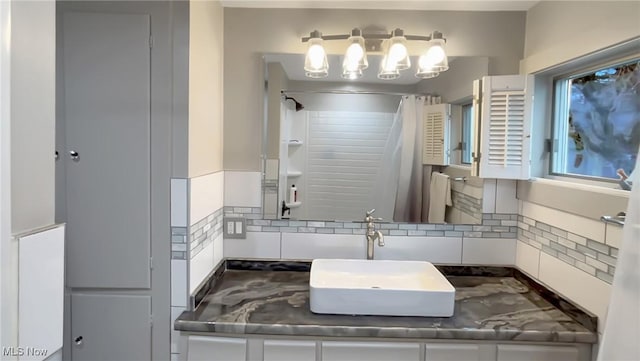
(362,92)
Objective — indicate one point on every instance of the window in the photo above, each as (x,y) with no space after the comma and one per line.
(467,133)
(596,129)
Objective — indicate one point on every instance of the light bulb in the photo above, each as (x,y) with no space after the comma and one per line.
(397,52)
(350,64)
(355,52)
(424,62)
(435,54)
(316,56)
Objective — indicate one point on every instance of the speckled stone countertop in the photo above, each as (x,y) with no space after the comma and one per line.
(492,303)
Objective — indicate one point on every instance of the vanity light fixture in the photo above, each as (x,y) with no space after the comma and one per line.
(395,58)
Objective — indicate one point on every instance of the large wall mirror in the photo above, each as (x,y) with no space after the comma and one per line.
(335,148)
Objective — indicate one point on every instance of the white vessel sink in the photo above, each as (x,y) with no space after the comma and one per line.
(372,287)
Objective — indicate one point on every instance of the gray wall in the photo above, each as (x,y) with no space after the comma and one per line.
(250,33)
(552,40)
(349,102)
(456,83)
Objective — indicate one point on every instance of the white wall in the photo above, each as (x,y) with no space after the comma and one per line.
(252,32)
(205,87)
(27,107)
(33,41)
(558,31)
(5,165)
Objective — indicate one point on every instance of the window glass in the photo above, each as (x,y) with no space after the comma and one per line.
(597,122)
(467,132)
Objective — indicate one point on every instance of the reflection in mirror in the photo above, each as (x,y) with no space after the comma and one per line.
(335,150)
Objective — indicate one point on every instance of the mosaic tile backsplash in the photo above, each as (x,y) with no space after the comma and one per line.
(202,233)
(595,258)
(493,226)
(590,256)
(205,231)
(467,204)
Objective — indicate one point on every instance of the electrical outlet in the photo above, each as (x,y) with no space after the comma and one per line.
(235,227)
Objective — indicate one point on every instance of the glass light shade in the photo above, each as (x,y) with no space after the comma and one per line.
(356,55)
(388,70)
(425,68)
(352,74)
(397,52)
(436,56)
(315,63)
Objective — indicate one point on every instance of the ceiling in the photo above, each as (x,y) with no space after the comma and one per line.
(447,5)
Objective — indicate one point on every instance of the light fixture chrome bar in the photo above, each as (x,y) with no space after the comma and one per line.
(371,36)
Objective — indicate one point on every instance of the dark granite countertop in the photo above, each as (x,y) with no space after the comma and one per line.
(492,303)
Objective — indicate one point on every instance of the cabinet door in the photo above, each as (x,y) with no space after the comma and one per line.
(285,350)
(537,353)
(110,327)
(202,348)
(453,352)
(107,99)
(370,351)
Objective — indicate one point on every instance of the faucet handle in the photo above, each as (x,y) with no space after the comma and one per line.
(369,213)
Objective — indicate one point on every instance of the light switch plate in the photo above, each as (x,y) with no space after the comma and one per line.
(235,227)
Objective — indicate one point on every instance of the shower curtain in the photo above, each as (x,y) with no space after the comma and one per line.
(386,186)
(622,329)
(399,188)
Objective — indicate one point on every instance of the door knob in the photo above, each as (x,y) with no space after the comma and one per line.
(78,340)
(74,155)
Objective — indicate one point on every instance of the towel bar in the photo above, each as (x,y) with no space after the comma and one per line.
(460,179)
(617,219)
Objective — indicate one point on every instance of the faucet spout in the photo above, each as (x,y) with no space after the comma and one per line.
(380,237)
(372,235)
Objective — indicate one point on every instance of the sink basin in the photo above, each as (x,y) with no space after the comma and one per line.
(372,287)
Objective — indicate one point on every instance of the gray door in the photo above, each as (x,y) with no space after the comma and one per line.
(106,65)
(110,327)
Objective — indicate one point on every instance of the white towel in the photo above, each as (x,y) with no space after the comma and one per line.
(439,197)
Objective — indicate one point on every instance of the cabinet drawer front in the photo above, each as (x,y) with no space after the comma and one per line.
(537,353)
(285,350)
(370,351)
(452,352)
(203,348)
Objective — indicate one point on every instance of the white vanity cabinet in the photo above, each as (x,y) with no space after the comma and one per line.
(255,348)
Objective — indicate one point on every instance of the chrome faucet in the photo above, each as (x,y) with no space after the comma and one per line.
(372,234)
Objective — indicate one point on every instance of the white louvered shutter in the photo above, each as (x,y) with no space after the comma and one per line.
(505,127)
(435,146)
